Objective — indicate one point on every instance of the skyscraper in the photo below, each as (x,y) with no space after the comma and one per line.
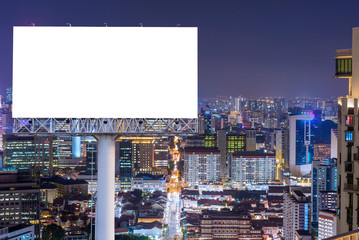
(347,66)
(124,161)
(324,178)
(296,213)
(300,141)
(201,165)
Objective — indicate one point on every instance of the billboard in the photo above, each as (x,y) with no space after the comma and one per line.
(105,72)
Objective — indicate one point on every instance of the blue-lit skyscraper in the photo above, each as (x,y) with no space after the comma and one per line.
(301,137)
(324,179)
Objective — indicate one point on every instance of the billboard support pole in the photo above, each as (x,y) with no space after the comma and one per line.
(105,208)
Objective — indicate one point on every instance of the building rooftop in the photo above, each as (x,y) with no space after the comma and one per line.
(201,150)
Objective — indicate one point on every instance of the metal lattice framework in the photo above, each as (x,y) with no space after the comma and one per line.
(93,126)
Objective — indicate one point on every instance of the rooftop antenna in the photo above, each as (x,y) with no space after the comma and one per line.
(141,24)
(69,24)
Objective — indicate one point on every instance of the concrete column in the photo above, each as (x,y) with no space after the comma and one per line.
(105,208)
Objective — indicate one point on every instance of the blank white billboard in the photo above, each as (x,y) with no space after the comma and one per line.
(105,72)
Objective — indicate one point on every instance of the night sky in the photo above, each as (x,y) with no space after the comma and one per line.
(251,48)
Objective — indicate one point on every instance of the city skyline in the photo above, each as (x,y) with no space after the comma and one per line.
(244,48)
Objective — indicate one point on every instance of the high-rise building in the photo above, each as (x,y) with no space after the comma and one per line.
(34,153)
(205,123)
(236,143)
(8,95)
(253,168)
(201,165)
(251,142)
(300,142)
(327,226)
(324,178)
(20,201)
(321,151)
(91,155)
(347,66)
(161,153)
(124,162)
(334,143)
(296,213)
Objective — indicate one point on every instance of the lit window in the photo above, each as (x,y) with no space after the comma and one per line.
(349,120)
(349,136)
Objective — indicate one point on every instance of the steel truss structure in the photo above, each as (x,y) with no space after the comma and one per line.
(93,126)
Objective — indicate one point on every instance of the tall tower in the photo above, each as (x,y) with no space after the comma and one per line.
(347,66)
(300,142)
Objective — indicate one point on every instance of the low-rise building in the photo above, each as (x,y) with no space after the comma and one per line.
(48,192)
(148,183)
(16,232)
(227,224)
(67,186)
(153,229)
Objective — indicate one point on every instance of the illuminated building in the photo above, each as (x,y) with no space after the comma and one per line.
(300,141)
(296,213)
(321,151)
(347,66)
(148,183)
(324,178)
(327,200)
(205,122)
(201,165)
(143,156)
(8,95)
(236,143)
(161,153)
(327,224)
(68,187)
(19,202)
(252,168)
(227,225)
(91,155)
(210,141)
(124,162)
(29,153)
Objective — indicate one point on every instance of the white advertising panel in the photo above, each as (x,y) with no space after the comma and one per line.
(105,72)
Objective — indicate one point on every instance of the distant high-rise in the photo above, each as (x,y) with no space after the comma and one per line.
(300,142)
(161,153)
(202,165)
(252,168)
(124,162)
(91,155)
(324,178)
(9,95)
(296,213)
(34,153)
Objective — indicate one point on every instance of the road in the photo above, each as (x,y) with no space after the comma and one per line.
(173,217)
(173,209)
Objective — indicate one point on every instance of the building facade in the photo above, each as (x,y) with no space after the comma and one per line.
(202,165)
(296,213)
(253,168)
